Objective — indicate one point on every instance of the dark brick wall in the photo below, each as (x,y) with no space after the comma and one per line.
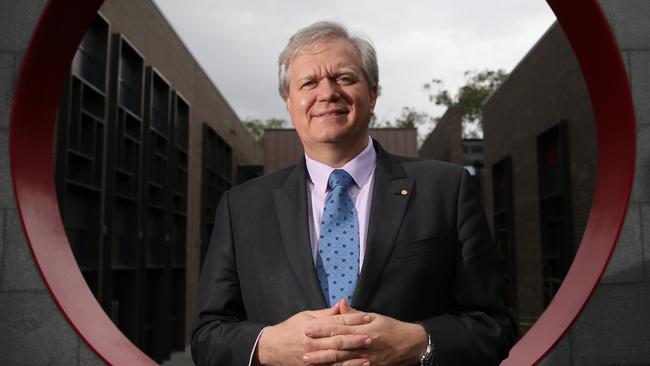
(142,23)
(445,141)
(544,88)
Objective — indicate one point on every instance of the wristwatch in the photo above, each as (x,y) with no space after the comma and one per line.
(429,356)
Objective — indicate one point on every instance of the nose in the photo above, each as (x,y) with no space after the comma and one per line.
(328,90)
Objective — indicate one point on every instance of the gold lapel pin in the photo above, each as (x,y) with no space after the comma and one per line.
(404,192)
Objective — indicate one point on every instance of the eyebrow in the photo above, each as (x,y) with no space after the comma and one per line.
(339,71)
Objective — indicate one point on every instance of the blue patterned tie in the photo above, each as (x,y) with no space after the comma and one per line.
(337,262)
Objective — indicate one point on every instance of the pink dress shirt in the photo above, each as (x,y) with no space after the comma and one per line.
(362,170)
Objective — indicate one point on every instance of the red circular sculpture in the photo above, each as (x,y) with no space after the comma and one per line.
(47,62)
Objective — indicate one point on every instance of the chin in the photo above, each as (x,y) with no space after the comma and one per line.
(338,138)
(328,139)
(331,134)
(335,134)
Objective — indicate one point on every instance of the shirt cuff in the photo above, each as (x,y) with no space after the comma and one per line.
(250,359)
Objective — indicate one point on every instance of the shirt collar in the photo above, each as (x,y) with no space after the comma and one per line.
(360,168)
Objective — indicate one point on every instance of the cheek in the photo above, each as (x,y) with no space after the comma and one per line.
(362,105)
(305,102)
(298,106)
(303,105)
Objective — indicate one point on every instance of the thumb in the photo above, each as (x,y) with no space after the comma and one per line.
(345,308)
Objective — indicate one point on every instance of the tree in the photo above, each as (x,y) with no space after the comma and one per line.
(256,126)
(469,97)
(374,122)
(411,118)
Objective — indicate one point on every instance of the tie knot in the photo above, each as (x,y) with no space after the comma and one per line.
(339,177)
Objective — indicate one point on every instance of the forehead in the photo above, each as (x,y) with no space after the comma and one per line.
(326,56)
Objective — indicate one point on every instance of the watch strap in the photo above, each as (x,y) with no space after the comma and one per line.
(429,357)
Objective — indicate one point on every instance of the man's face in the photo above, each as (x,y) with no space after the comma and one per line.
(330,101)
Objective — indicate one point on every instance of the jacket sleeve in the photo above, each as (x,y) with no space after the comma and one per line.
(479,330)
(222,335)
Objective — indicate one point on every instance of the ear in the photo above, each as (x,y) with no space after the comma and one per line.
(374,93)
(287,104)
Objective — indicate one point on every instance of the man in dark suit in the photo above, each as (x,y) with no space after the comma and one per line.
(354,256)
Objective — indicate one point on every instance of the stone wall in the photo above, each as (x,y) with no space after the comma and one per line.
(34,332)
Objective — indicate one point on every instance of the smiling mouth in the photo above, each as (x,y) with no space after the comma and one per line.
(334,113)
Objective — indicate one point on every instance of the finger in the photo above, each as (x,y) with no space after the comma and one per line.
(353,362)
(345,307)
(336,325)
(340,342)
(357,318)
(320,330)
(335,357)
(334,310)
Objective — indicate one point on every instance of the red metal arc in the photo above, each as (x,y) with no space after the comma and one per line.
(604,72)
(42,74)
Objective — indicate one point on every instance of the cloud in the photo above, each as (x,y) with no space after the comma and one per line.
(237,43)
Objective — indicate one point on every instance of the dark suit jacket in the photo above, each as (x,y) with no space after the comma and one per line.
(429,259)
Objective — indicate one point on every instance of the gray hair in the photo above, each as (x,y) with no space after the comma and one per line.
(326,30)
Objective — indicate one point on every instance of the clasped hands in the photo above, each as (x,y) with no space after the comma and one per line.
(341,335)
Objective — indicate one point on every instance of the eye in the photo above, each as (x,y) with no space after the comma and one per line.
(345,80)
(309,84)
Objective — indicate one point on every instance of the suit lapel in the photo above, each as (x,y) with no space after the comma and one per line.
(387,211)
(291,209)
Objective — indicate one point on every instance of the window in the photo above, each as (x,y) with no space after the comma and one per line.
(90,60)
(217,179)
(504,232)
(181,118)
(81,133)
(121,175)
(555,208)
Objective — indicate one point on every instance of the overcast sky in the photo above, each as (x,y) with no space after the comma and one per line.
(237,43)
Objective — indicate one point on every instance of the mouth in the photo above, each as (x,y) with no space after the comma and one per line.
(331,113)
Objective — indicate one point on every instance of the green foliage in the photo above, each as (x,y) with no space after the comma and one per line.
(374,122)
(470,96)
(411,118)
(256,126)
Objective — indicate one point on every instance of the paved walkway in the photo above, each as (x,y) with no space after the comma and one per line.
(179,359)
